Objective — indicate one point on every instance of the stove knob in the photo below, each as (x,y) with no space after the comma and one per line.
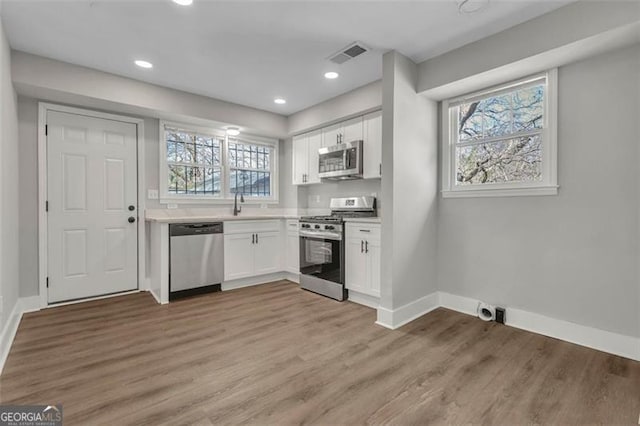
(329,227)
(317,226)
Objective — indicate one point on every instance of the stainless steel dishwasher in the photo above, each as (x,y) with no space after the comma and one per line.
(196,253)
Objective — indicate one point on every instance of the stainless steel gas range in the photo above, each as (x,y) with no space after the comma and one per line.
(322,246)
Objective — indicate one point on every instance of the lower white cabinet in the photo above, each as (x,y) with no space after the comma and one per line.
(266,253)
(238,256)
(362,258)
(256,252)
(292,247)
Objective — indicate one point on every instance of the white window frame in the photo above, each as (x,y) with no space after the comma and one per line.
(225,197)
(548,185)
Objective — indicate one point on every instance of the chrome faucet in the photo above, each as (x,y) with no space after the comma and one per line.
(237,209)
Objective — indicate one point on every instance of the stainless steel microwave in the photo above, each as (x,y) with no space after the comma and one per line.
(341,162)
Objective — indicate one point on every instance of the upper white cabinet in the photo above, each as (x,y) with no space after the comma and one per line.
(372,146)
(331,134)
(300,156)
(352,130)
(362,258)
(305,158)
(345,131)
(367,128)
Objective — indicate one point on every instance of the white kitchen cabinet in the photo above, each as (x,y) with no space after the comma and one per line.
(266,253)
(305,158)
(251,248)
(300,156)
(345,131)
(238,256)
(314,142)
(352,130)
(362,258)
(372,146)
(331,134)
(292,247)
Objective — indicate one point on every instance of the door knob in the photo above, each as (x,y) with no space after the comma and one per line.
(131,219)
(132,208)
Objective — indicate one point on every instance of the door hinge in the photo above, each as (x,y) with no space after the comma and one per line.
(46,130)
(47,282)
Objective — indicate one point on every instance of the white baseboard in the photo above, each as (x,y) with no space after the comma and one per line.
(9,332)
(606,341)
(22,306)
(462,304)
(155,296)
(364,299)
(29,304)
(398,317)
(293,276)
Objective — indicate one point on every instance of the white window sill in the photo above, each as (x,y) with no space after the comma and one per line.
(501,192)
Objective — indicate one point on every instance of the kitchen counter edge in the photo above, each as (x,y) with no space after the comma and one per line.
(197,219)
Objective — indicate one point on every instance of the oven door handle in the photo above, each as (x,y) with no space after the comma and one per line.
(321,235)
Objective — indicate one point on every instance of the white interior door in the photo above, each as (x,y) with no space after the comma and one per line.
(92,196)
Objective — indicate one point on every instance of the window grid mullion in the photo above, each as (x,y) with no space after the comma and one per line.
(500,138)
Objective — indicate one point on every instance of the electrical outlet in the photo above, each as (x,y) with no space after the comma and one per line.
(152,194)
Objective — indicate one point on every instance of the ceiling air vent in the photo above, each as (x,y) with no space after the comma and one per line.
(349,52)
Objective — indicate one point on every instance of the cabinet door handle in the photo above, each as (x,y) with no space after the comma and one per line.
(365,230)
(380,169)
(253,238)
(366,246)
(256,238)
(361,246)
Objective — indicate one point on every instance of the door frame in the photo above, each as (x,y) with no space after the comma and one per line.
(43,110)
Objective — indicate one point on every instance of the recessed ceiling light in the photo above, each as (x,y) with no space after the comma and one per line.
(280,101)
(472,6)
(183,2)
(144,64)
(233,131)
(331,75)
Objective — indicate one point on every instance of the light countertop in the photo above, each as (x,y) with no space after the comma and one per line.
(167,216)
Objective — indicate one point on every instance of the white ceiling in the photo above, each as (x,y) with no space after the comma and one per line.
(249,52)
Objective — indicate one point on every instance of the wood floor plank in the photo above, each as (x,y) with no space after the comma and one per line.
(276,354)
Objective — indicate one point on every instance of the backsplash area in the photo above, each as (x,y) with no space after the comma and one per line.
(316,197)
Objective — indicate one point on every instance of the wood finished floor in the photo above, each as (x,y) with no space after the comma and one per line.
(275,354)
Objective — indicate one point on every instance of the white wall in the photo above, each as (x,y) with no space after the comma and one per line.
(573,256)
(409,187)
(47,79)
(9,175)
(28,189)
(582,26)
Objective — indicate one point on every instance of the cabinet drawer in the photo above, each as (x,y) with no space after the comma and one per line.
(251,226)
(363,230)
(292,226)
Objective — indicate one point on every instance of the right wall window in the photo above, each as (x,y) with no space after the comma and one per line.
(502,141)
